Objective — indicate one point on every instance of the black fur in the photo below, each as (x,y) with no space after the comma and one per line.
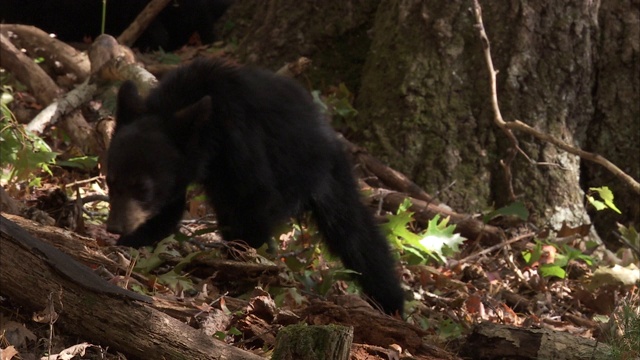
(263,152)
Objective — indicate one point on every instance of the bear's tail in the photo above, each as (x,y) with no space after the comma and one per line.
(351,232)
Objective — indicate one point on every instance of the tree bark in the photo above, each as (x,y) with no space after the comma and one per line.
(419,105)
(614,131)
(318,342)
(429,116)
(333,33)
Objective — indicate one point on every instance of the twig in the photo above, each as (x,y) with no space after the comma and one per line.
(84,181)
(598,159)
(520,126)
(496,247)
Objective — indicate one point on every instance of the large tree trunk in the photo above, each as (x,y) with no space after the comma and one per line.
(547,78)
(423,101)
(569,69)
(333,33)
(430,114)
(614,130)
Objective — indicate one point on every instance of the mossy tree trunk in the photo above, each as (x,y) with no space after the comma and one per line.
(567,68)
(614,130)
(423,101)
(332,33)
(430,116)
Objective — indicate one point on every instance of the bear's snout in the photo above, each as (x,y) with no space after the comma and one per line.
(113,227)
(126,216)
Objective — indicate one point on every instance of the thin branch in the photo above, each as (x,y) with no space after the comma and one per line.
(520,126)
(598,159)
(515,147)
(496,247)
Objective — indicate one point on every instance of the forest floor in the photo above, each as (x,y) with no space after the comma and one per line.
(243,297)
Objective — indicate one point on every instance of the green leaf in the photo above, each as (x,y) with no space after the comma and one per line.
(587,259)
(599,205)
(448,329)
(439,236)
(562,260)
(549,270)
(5,98)
(397,226)
(533,255)
(405,206)
(21,151)
(514,209)
(83,162)
(157,258)
(27,161)
(175,281)
(417,253)
(607,196)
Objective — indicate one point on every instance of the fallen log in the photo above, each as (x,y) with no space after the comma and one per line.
(90,307)
(495,341)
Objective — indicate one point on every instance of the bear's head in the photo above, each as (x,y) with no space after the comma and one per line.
(147,160)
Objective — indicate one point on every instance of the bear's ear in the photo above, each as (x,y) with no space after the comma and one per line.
(195,114)
(190,121)
(130,104)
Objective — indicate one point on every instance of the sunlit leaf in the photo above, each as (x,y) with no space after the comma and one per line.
(440,237)
(607,196)
(599,205)
(548,270)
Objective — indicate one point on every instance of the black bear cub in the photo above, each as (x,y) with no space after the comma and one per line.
(262,151)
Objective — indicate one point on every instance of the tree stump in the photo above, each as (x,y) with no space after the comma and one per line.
(316,342)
